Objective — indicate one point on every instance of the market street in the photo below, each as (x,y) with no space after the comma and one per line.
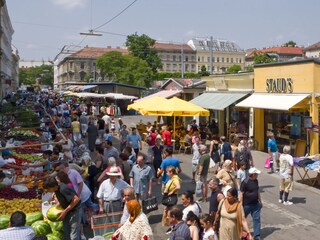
(299,221)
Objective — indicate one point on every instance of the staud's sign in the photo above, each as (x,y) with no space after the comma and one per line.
(279,85)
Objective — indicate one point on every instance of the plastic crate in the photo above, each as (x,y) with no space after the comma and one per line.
(105,223)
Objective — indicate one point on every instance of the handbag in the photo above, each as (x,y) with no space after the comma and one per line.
(149,205)
(169,200)
(267,163)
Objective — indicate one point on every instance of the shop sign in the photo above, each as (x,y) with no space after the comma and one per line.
(279,85)
(220,84)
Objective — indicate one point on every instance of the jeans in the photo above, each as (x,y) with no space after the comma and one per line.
(254,210)
(71,225)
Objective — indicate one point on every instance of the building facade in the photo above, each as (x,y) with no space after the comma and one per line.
(81,66)
(312,51)
(224,54)
(174,56)
(6,58)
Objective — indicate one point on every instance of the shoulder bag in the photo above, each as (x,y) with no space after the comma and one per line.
(169,200)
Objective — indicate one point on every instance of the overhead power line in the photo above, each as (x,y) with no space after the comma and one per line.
(116,15)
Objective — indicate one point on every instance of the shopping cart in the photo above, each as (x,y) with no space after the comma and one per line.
(105,223)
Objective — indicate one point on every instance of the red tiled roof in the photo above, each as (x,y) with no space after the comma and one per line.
(315,46)
(94,52)
(172,47)
(295,51)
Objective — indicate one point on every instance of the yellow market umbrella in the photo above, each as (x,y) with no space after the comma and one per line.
(147,104)
(176,107)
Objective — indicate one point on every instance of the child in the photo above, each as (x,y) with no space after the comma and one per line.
(241,173)
(107,136)
(206,222)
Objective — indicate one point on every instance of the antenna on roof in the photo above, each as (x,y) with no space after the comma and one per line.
(91,33)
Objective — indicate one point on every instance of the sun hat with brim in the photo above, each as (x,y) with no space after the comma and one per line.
(254,170)
(227,162)
(113,171)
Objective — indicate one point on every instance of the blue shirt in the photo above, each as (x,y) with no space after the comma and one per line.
(272,144)
(134,139)
(166,163)
(141,178)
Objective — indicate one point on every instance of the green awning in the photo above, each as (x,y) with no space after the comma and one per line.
(217,100)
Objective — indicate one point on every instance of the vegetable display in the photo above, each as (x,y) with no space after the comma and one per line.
(53,213)
(41,227)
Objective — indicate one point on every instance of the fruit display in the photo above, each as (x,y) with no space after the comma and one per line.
(9,194)
(53,213)
(4,221)
(22,134)
(33,217)
(52,236)
(7,207)
(28,157)
(41,227)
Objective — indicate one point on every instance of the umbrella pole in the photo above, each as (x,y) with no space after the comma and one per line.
(174,127)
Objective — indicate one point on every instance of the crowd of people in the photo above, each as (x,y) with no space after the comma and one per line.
(86,171)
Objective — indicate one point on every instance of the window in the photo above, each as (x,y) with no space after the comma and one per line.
(174,67)
(240,60)
(187,67)
(180,58)
(208,59)
(193,67)
(236,60)
(198,59)
(174,58)
(218,59)
(82,75)
(71,65)
(192,58)
(180,67)
(82,65)
(202,59)
(212,59)
(212,68)
(186,58)
(168,67)
(222,59)
(231,59)
(227,60)
(168,57)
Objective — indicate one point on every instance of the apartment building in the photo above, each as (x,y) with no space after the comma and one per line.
(313,51)
(224,54)
(173,56)
(81,66)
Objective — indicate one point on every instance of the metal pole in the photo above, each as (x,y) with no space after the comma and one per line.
(182,62)
(211,55)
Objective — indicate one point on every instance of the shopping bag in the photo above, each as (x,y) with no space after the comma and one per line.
(267,163)
(149,205)
(198,188)
(169,200)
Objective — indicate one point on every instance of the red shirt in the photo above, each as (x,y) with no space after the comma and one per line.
(152,141)
(166,137)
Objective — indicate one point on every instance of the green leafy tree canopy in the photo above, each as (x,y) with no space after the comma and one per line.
(260,58)
(203,71)
(125,69)
(290,43)
(235,68)
(44,73)
(142,47)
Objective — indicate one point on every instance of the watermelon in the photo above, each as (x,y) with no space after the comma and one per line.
(108,235)
(33,217)
(50,236)
(59,235)
(4,221)
(53,213)
(56,226)
(41,227)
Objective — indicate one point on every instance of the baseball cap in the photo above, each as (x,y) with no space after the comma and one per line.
(254,170)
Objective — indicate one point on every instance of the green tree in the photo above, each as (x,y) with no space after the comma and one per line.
(125,69)
(203,71)
(260,58)
(235,68)
(142,47)
(44,73)
(290,43)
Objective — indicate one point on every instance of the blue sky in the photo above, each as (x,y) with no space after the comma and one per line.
(43,27)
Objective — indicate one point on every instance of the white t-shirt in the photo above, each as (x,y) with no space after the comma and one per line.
(106,118)
(2,162)
(208,234)
(286,161)
(194,208)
